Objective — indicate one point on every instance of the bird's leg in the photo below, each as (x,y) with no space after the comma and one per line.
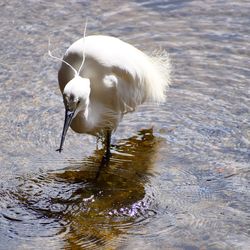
(106,156)
(108,144)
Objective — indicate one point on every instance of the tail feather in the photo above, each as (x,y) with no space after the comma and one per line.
(158,76)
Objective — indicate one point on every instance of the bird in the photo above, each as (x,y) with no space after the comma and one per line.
(102,78)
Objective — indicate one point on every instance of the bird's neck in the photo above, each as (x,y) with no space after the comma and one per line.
(95,119)
(92,115)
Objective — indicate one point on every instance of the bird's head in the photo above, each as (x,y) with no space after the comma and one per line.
(76,94)
(76,98)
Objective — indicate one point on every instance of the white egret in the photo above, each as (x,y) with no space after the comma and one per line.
(102,78)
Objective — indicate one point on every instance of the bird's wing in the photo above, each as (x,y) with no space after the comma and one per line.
(129,89)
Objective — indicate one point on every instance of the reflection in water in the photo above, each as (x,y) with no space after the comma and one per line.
(87,208)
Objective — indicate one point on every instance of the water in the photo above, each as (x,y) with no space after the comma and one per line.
(182,185)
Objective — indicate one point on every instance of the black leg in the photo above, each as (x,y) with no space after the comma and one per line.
(108,144)
(106,156)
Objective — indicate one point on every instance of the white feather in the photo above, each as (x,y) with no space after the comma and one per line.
(121,78)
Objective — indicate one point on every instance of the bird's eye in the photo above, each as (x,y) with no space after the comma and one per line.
(78,102)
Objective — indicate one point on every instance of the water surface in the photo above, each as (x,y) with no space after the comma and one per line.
(179,174)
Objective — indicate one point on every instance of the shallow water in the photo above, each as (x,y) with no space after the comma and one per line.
(182,185)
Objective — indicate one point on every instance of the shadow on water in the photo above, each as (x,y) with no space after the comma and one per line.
(73,205)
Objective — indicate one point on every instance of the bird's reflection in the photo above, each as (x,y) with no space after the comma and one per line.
(97,205)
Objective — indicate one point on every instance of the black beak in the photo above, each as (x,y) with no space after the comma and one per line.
(67,121)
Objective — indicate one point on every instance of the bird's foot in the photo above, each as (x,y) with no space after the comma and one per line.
(59,150)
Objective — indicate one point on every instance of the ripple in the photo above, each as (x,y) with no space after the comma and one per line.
(75,202)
